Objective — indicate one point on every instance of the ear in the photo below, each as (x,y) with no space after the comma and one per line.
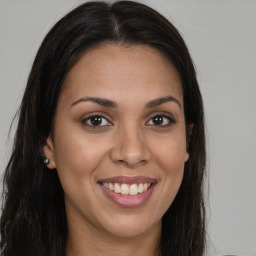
(190,131)
(186,156)
(49,153)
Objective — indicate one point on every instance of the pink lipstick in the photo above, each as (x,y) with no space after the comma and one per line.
(128,191)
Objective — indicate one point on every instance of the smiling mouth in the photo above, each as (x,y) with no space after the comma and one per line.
(127,189)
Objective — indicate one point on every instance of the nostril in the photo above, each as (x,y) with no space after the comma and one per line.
(130,149)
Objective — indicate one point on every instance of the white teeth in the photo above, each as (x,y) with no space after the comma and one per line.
(133,190)
(141,188)
(124,189)
(110,186)
(105,185)
(117,188)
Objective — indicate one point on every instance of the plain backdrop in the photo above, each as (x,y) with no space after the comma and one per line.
(221,36)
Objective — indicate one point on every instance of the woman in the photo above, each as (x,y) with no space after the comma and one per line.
(109,152)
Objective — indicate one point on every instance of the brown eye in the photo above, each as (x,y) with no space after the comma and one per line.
(157,120)
(96,121)
(161,120)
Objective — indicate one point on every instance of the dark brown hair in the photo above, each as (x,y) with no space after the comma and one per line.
(33,219)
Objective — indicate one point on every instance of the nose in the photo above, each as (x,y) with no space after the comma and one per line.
(130,148)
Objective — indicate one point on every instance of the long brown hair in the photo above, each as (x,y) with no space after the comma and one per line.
(33,219)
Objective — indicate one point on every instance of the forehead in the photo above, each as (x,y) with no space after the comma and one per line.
(122,72)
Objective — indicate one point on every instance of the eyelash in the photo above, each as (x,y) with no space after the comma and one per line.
(85,120)
(170,119)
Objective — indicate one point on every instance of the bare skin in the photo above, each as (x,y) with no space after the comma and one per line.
(120,115)
(103,244)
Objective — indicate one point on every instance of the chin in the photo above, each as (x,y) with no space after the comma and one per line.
(125,227)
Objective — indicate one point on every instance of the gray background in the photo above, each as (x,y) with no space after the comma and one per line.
(221,36)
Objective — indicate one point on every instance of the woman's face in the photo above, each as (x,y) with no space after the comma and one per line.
(119,143)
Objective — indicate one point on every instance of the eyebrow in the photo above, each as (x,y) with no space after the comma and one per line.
(157,102)
(111,104)
(100,101)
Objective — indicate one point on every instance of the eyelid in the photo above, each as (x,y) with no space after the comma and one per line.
(103,115)
(92,114)
(164,114)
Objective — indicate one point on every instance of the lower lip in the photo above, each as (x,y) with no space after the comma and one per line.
(127,200)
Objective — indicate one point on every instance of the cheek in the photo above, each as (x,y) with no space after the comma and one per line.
(171,153)
(170,158)
(172,164)
(77,155)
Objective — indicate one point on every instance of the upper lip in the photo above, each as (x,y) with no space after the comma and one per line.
(128,180)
